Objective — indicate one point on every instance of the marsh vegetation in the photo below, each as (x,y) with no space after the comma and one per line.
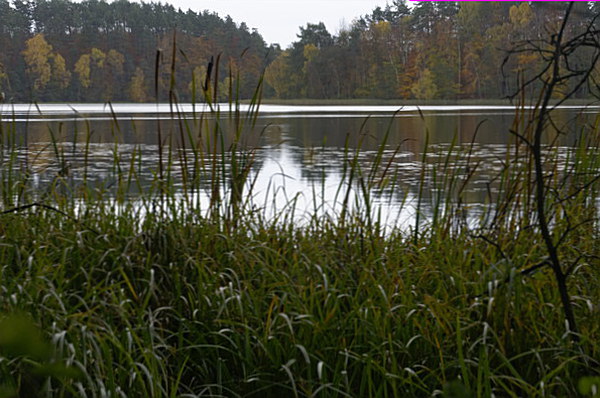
(173,282)
(177,282)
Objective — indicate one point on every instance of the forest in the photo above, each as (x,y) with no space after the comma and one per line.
(95,51)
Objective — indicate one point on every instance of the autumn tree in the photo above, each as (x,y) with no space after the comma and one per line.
(472,42)
(113,72)
(381,78)
(425,87)
(279,75)
(82,68)
(196,82)
(44,66)
(37,57)
(137,86)
(303,58)
(100,73)
(61,76)
(3,77)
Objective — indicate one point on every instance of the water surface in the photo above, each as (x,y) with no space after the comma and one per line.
(301,152)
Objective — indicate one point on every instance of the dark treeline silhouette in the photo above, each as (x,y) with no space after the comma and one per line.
(56,50)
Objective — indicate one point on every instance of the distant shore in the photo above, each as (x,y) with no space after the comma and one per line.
(337,102)
(401,102)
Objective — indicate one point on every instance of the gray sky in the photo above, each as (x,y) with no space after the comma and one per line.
(278,21)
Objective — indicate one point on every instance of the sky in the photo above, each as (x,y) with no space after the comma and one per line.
(278,21)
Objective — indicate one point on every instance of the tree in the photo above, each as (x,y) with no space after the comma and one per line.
(82,68)
(474,19)
(46,68)
(560,198)
(425,87)
(60,75)
(315,34)
(197,81)
(113,71)
(100,73)
(37,57)
(424,15)
(137,86)
(3,78)
(279,76)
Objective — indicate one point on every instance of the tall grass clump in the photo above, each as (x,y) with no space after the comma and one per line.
(186,289)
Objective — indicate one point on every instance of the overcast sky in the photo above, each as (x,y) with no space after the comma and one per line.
(278,21)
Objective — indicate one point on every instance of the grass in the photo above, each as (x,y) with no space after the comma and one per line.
(182,306)
(160,297)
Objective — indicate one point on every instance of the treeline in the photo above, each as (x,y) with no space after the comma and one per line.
(434,50)
(56,50)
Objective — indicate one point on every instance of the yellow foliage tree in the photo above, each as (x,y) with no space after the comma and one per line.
(137,87)
(3,76)
(82,68)
(425,87)
(37,57)
(100,71)
(521,15)
(279,76)
(112,70)
(45,66)
(97,57)
(381,30)
(115,61)
(60,74)
(197,82)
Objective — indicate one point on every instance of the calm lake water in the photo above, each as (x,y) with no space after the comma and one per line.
(300,150)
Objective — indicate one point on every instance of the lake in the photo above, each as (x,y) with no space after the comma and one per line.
(299,150)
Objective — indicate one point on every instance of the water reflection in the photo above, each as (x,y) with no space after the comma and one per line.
(302,156)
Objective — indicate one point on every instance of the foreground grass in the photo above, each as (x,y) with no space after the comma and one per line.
(182,306)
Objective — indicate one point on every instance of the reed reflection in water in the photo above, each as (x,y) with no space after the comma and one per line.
(301,160)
